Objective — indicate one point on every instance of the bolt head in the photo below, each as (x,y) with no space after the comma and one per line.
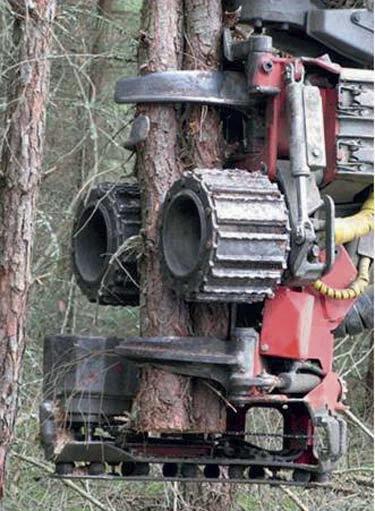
(316,152)
(299,236)
(264,168)
(315,251)
(264,347)
(267,66)
(355,16)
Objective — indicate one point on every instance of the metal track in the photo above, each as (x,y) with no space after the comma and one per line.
(194,469)
(200,480)
(242,230)
(200,460)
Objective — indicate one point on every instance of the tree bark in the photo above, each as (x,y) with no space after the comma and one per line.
(203,30)
(205,144)
(167,402)
(21,161)
(93,121)
(163,402)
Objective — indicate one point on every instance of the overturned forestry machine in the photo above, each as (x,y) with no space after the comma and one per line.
(283,234)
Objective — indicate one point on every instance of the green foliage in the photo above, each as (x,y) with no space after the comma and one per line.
(128,5)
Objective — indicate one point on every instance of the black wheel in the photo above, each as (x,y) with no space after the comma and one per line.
(103,222)
(141,469)
(113,467)
(64,469)
(320,477)
(96,469)
(256,472)
(236,471)
(127,468)
(170,470)
(189,470)
(211,471)
(301,476)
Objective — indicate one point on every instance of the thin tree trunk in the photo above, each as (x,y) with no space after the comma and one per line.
(94,122)
(167,402)
(87,157)
(203,30)
(97,73)
(163,402)
(21,162)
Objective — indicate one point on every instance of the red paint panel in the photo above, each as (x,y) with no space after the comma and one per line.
(287,324)
(298,324)
(341,275)
(276,143)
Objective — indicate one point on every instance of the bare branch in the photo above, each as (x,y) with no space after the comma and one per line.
(67,482)
(358,423)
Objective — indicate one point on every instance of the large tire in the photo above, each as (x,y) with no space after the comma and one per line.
(360,317)
(104,263)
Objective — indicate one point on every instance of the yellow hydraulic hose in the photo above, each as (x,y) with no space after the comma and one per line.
(355,289)
(351,227)
(348,229)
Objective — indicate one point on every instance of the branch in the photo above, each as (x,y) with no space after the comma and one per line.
(354,469)
(364,481)
(358,423)
(30,9)
(291,495)
(294,498)
(67,482)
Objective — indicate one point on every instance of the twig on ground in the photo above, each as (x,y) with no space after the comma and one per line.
(354,469)
(67,482)
(294,498)
(359,423)
(291,495)
(364,481)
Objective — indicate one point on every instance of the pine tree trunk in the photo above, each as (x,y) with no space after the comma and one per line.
(163,402)
(167,402)
(203,35)
(203,31)
(21,162)
(93,122)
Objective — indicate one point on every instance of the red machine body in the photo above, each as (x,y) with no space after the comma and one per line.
(298,324)
(268,77)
